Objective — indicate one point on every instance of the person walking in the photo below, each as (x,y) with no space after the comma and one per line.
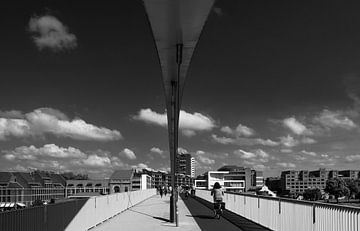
(161,191)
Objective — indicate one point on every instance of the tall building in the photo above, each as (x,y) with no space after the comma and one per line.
(233,178)
(185,164)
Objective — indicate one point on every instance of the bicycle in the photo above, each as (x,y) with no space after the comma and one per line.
(219,206)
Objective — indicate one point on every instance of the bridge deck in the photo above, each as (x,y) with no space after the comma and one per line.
(153,214)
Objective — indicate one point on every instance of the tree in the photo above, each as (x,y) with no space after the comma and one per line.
(353,187)
(337,187)
(312,194)
(37,202)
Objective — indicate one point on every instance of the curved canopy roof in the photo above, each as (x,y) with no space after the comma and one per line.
(176,22)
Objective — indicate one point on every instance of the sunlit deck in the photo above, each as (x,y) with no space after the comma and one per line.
(153,214)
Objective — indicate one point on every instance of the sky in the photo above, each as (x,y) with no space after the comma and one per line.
(272,86)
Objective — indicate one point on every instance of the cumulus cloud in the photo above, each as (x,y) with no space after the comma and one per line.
(257,155)
(156,150)
(204,158)
(97,161)
(182,150)
(189,123)
(334,119)
(54,158)
(295,126)
(49,33)
(289,141)
(243,141)
(286,165)
(240,130)
(51,121)
(128,154)
(352,158)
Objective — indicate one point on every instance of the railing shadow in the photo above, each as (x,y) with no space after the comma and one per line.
(202,211)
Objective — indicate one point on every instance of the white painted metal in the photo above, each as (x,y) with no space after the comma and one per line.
(100,208)
(285,215)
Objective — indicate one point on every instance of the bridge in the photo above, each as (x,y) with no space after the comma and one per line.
(145,210)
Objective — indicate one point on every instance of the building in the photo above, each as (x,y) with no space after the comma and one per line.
(185,164)
(233,178)
(87,186)
(25,188)
(129,180)
(298,181)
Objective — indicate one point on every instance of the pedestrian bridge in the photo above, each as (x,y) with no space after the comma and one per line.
(144,210)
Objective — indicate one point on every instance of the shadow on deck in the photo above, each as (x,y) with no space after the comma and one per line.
(201,211)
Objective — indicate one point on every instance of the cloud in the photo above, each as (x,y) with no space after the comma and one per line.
(240,130)
(182,150)
(334,119)
(49,33)
(156,150)
(51,121)
(140,166)
(48,150)
(97,161)
(307,140)
(203,158)
(13,114)
(289,141)
(308,153)
(243,141)
(189,123)
(286,165)
(295,126)
(257,155)
(352,158)
(128,154)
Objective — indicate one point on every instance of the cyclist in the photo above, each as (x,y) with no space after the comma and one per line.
(217,194)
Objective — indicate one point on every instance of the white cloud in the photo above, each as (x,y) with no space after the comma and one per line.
(48,150)
(308,153)
(182,150)
(204,158)
(128,154)
(140,166)
(243,141)
(295,126)
(289,141)
(12,114)
(352,158)
(156,150)
(334,119)
(189,123)
(48,32)
(240,130)
(97,161)
(51,121)
(257,155)
(286,165)
(307,140)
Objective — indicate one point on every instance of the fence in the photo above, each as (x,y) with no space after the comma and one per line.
(282,214)
(73,215)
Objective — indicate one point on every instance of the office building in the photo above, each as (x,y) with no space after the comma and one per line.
(185,164)
(232,178)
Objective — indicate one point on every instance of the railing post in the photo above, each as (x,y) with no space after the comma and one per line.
(314,213)
(279,206)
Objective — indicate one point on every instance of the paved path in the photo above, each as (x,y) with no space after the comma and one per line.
(153,214)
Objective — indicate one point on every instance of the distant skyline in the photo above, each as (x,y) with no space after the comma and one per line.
(272,86)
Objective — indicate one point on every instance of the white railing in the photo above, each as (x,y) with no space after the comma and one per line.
(98,209)
(281,214)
